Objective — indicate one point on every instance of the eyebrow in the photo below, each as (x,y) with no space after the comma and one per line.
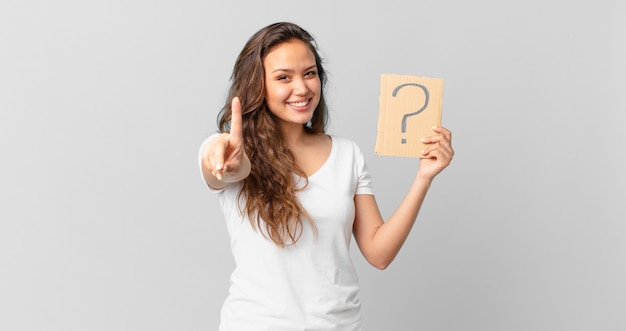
(291,70)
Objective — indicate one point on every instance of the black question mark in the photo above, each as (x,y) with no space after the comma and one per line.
(395,91)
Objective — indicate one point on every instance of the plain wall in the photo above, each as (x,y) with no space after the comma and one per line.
(105,223)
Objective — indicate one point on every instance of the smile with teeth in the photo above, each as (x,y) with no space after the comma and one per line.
(299,104)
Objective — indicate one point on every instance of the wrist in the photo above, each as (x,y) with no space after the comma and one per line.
(423,181)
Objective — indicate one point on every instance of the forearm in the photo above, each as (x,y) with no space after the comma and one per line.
(387,240)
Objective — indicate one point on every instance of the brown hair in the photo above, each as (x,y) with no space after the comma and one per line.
(270,189)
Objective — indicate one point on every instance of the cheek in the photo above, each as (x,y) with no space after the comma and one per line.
(315,86)
(276,93)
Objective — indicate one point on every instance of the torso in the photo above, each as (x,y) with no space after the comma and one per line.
(312,284)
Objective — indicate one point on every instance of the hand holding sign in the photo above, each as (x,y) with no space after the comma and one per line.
(409,108)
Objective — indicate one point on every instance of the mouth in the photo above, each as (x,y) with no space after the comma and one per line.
(299,104)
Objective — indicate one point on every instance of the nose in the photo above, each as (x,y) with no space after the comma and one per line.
(300,87)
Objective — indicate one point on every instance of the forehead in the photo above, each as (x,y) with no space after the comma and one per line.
(289,54)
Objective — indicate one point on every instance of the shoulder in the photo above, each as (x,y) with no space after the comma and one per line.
(352,162)
(345,146)
(343,142)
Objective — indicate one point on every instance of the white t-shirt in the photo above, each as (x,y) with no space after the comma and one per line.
(311,285)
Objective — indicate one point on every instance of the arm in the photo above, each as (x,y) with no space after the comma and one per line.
(223,157)
(380,241)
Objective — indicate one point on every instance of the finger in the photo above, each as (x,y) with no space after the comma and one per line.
(443,131)
(217,160)
(443,135)
(443,146)
(427,152)
(442,156)
(230,167)
(236,136)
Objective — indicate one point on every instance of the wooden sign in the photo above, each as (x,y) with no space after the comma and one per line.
(409,107)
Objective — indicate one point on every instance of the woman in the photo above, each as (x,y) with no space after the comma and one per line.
(293,196)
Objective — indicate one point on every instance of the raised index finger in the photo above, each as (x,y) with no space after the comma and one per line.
(235,121)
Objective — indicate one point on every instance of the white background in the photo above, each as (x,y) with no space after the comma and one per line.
(107,225)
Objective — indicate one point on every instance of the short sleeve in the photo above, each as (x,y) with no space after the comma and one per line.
(364,180)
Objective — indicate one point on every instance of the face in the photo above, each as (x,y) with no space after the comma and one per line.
(292,86)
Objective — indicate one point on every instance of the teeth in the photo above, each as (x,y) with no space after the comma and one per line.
(299,104)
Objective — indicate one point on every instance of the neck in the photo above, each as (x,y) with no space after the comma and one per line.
(293,135)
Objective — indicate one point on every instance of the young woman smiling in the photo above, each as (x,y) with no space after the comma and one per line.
(293,196)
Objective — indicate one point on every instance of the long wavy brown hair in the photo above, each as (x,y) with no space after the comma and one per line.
(270,190)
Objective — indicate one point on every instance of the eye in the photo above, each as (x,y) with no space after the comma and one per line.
(282,77)
(311,73)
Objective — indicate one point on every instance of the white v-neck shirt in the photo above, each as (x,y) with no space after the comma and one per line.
(311,285)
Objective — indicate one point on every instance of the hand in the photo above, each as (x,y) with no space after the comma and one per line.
(438,155)
(224,155)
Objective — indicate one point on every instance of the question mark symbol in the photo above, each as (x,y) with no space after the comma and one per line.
(404,118)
